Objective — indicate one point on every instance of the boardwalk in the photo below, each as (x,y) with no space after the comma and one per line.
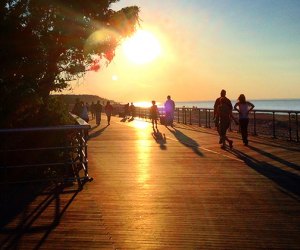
(172,189)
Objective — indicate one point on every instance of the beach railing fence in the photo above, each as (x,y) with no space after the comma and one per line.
(56,154)
(283,124)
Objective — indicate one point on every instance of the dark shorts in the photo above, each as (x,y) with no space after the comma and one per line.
(223,126)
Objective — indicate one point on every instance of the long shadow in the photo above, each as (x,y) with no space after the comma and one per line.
(17,207)
(98,132)
(293,146)
(186,141)
(159,138)
(289,182)
(93,128)
(276,158)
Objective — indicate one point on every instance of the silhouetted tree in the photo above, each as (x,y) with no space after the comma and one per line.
(45,44)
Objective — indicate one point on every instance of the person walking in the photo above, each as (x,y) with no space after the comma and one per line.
(217,104)
(244,107)
(216,109)
(132,111)
(126,110)
(84,112)
(77,109)
(98,110)
(92,108)
(154,114)
(169,111)
(108,111)
(224,116)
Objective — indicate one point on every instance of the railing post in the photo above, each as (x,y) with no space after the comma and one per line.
(273,122)
(178,115)
(209,118)
(199,117)
(190,116)
(254,123)
(297,128)
(290,127)
(86,133)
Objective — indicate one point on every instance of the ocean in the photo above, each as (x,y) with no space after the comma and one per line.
(275,104)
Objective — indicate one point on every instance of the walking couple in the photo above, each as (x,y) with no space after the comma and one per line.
(223,116)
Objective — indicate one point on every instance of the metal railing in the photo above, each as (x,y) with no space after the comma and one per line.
(282,124)
(57,154)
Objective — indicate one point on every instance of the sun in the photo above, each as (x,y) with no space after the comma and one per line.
(142,47)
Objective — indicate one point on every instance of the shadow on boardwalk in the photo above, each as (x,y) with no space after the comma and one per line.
(159,138)
(288,181)
(23,208)
(186,141)
(97,133)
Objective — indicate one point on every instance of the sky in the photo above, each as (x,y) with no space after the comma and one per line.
(243,46)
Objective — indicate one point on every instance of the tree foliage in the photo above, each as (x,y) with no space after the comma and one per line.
(45,44)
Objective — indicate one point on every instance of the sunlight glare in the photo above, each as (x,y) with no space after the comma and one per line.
(142,47)
(140,124)
(143,104)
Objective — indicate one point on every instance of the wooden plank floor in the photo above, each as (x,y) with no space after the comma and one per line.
(172,189)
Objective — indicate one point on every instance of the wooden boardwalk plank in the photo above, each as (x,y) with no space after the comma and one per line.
(180,193)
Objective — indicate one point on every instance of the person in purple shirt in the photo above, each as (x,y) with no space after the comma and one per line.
(169,111)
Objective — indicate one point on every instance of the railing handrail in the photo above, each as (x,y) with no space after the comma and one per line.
(50,128)
(254,110)
(81,125)
(76,150)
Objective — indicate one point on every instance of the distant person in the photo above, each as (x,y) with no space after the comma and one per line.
(84,112)
(98,110)
(108,111)
(244,107)
(132,111)
(87,106)
(77,109)
(224,116)
(92,109)
(154,114)
(216,107)
(126,110)
(169,111)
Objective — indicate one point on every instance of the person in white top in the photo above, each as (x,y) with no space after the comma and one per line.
(244,107)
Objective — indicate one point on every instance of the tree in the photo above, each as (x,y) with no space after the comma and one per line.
(45,44)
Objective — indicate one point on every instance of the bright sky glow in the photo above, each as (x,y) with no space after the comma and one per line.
(193,49)
(143,104)
(142,47)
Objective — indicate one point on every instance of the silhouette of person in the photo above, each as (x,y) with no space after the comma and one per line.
(92,109)
(216,108)
(243,107)
(84,112)
(108,111)
(77,109)
(154,114)
(132,111)
(169,111)
(126,110)
(98,110)
(224,116)
(217,103)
